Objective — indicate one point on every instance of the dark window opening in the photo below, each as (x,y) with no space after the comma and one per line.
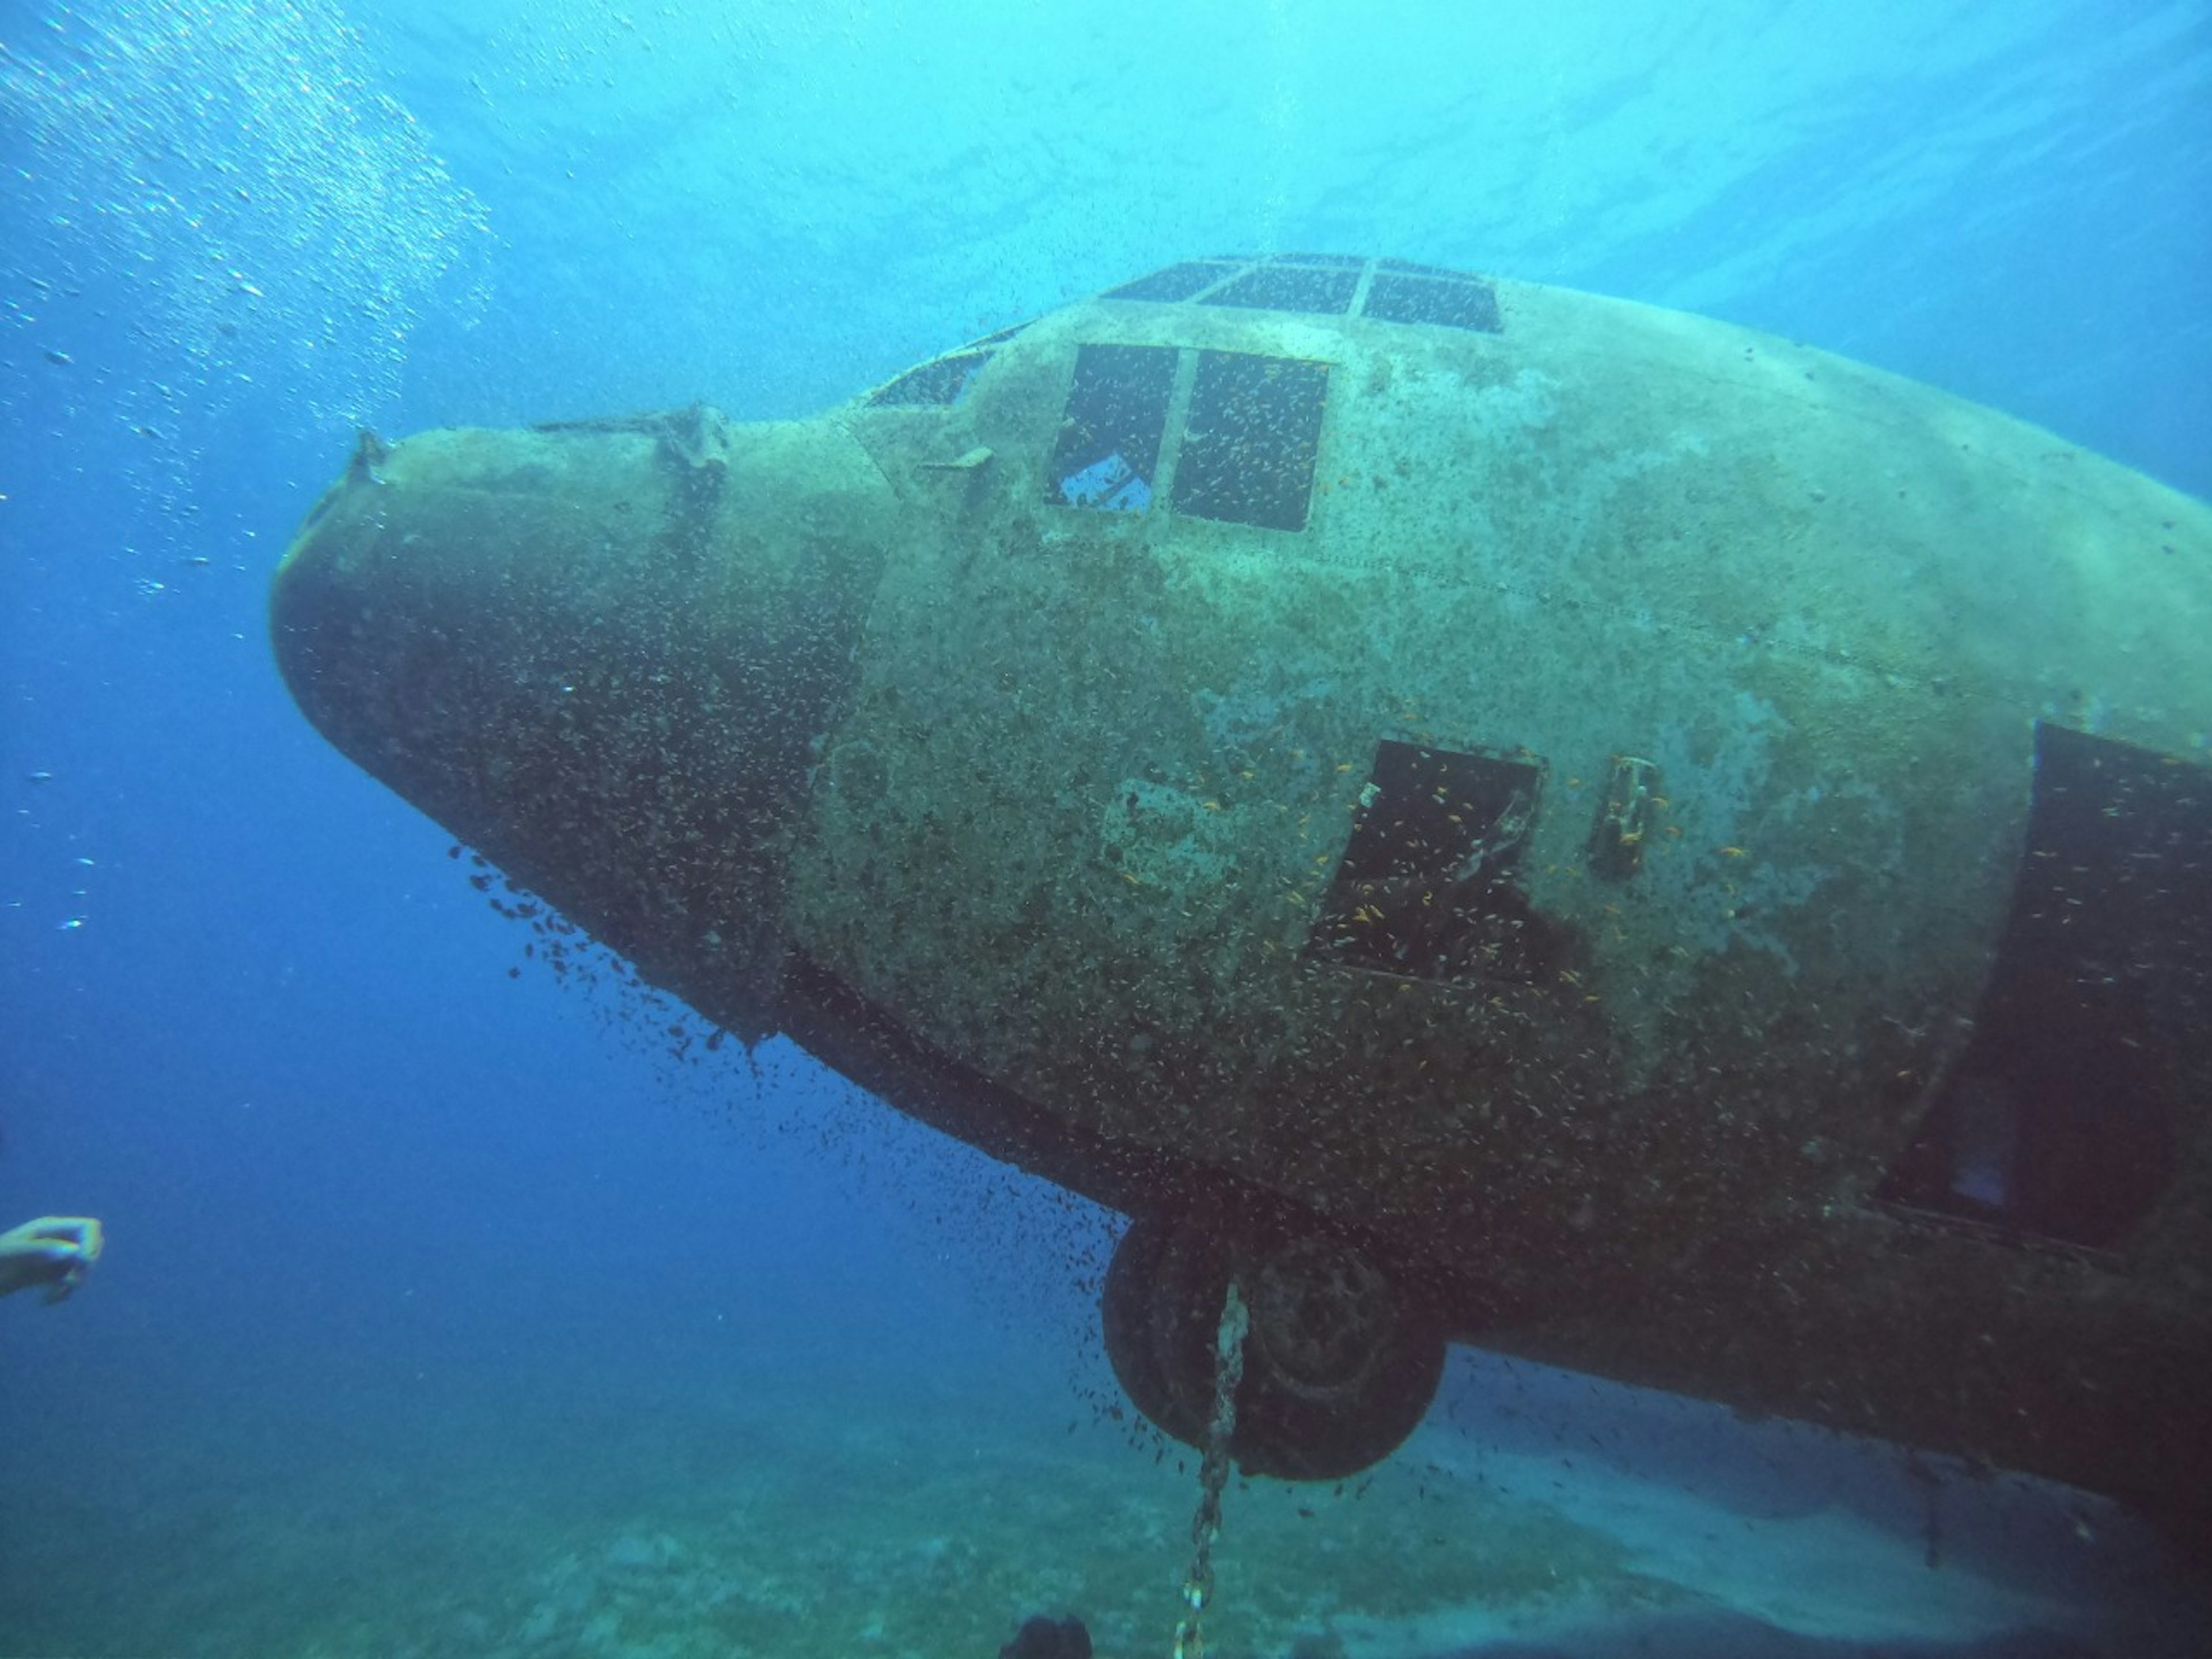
(1253,436)
(2059,1118)
(1464,303)
(1426,886)
(1176,282)
(1107,452)
(943,381)
(1289,287)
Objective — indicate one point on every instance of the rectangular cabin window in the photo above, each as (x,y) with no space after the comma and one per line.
(1107,452)
(1289,287)
(943,380)
(2060,1118)
(1250,443)
(1465,302)
(1427,887)
(1176,282)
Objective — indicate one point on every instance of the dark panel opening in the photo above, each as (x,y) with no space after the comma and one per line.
(1107,452)
(1253,436)
(1426,885)
(1176,282)
(1464,304)
(1290,288)
(2060,1118)
(943,381)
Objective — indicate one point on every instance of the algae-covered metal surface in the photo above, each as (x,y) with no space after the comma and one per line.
(1688,856)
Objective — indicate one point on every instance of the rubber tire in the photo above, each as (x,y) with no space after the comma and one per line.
(1339,1366)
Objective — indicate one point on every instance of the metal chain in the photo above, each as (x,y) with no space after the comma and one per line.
(1213,1473)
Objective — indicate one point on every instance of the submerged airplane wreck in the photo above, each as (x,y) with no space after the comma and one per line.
(1487,813)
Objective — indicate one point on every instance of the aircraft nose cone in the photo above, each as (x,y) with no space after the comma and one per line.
(600,655)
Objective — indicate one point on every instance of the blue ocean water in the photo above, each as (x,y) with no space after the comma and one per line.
(448,1308)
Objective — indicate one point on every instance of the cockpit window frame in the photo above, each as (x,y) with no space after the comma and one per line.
(1210,472)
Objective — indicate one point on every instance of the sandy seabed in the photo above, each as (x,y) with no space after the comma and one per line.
(924,1518)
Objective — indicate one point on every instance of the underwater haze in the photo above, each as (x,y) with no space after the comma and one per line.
(461,1297)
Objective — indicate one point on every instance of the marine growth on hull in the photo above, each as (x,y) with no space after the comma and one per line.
(1470,811)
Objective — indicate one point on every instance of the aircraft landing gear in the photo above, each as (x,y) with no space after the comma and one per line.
(1339,1364)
